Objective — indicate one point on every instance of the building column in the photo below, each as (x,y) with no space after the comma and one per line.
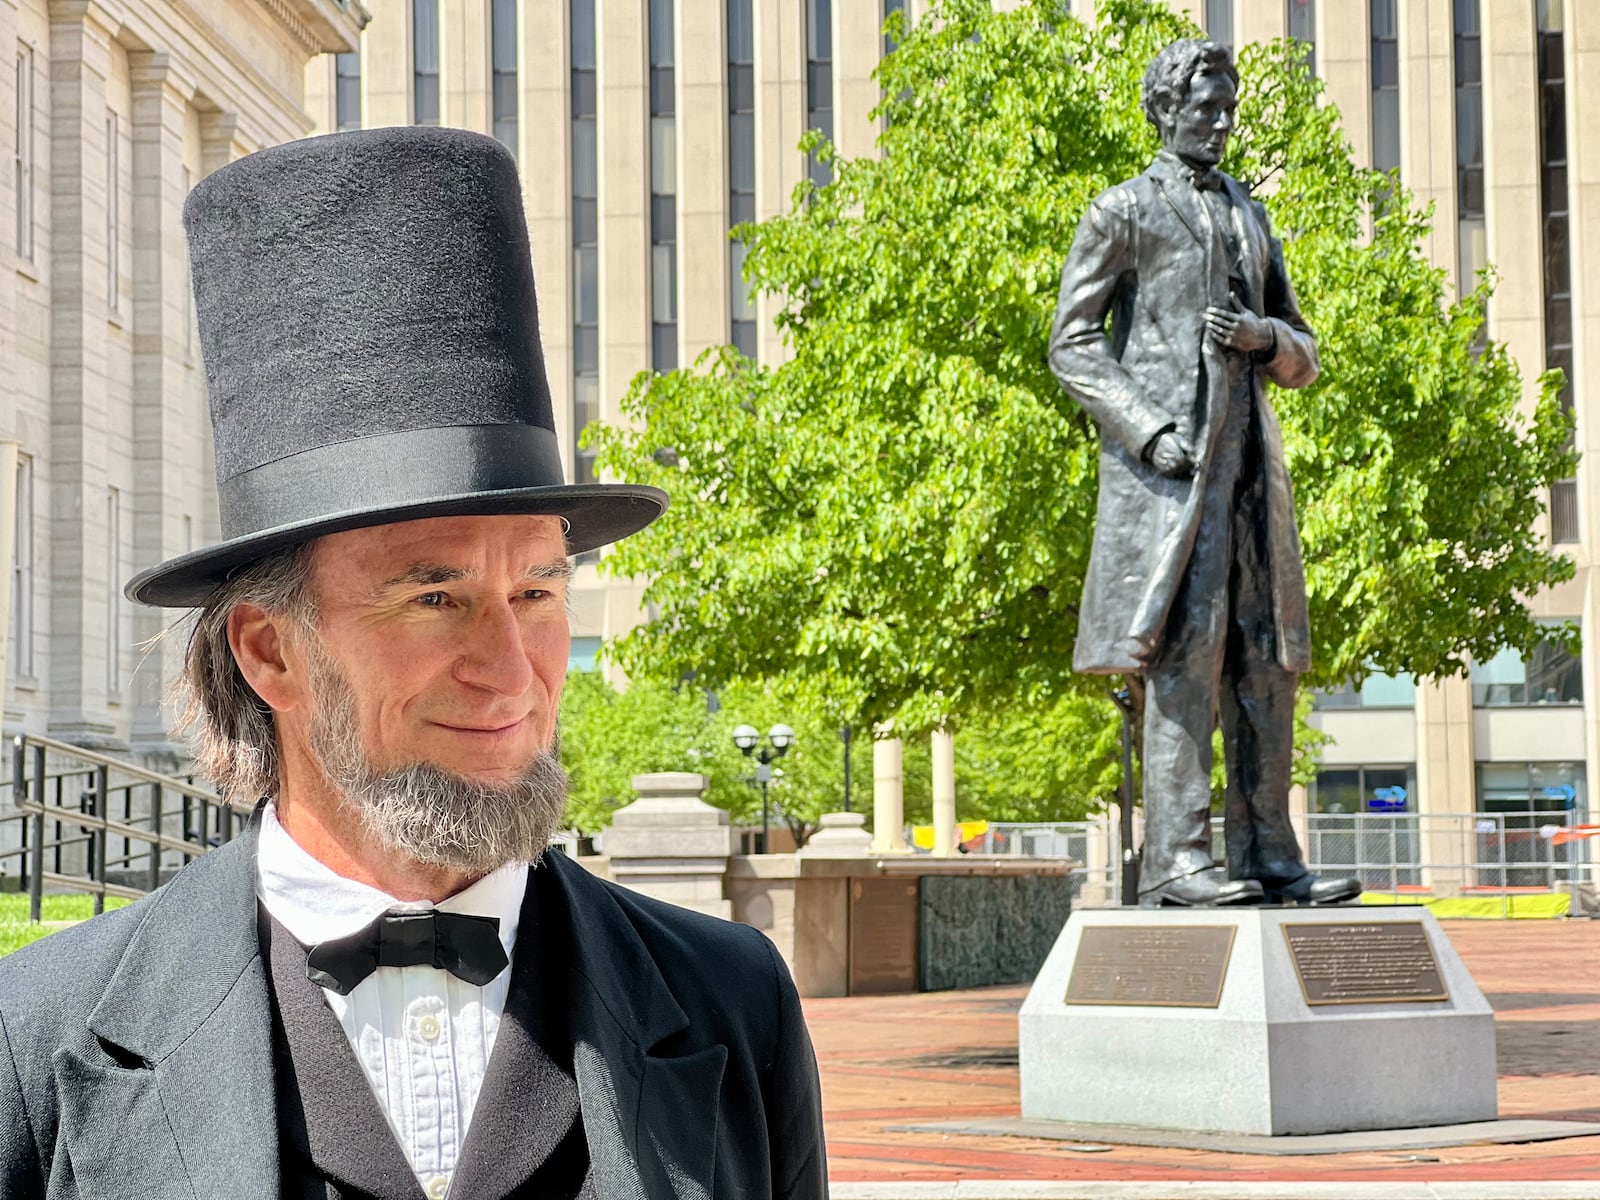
(857,50)
(944,794)
(888,799)
(164,427)
(701,77)
(624,203)
(780,71)
(464,66)
(1344,61)
(1427,118)
(80,62)
(1446,783)
(386,95)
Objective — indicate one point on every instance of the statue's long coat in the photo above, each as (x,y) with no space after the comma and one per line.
(1148,255)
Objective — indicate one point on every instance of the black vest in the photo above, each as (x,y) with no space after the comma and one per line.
(526,1138)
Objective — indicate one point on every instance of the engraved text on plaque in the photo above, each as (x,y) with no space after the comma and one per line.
(1166,966)
(1378,963)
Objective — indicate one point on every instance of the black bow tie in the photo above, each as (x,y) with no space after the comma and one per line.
(1207,180)
(466,946)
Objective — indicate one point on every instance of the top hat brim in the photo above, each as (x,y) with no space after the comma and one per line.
(595,515)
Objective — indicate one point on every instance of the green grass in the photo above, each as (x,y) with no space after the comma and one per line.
(16,930)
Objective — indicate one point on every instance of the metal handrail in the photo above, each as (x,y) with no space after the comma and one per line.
(97,759)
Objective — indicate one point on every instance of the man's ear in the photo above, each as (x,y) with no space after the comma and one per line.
(257,639)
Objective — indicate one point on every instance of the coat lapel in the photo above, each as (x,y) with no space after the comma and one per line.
(649,1116)
(178,1105)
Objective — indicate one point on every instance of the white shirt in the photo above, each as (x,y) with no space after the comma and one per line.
(422,1036)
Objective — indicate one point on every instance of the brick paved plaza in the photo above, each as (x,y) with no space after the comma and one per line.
(943,1056)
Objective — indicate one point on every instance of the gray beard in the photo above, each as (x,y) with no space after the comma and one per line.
(423,812)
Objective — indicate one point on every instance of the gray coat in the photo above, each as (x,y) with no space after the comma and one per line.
(136,1051)
(1147,254)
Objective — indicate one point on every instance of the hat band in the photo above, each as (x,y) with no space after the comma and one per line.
(388,470)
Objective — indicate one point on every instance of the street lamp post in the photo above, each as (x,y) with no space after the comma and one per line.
(779,739)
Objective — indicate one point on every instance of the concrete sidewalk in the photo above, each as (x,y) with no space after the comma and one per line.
(945,1056)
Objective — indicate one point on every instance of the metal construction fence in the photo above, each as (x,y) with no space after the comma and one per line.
(1457,852)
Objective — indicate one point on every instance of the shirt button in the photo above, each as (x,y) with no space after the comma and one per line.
(428,1031)
(437,1187)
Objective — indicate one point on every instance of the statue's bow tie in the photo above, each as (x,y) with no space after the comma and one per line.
(466,946)
(1208,180)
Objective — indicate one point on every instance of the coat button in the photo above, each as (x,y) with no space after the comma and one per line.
(428,1030)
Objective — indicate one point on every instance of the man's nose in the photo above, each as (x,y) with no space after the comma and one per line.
(494,657)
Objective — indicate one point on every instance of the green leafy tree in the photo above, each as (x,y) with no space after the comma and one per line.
(895,520)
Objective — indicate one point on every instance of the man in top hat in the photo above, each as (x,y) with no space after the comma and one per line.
(1195,581)
(385,987)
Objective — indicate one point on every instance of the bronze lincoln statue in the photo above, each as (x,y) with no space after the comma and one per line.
(1195,581)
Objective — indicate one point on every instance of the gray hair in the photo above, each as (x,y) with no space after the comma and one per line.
(1168,77)
(235,743)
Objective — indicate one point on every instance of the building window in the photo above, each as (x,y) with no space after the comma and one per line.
(113,592)
(1219,21)
(1377,690)
(1525,788)
(819,80)
(1385,86)
(1302,21)
(584,654)
(891,6)
(1472,250)
(504,56)
(663,192)
(1552,674)
(113,197)
(585,238)
(1556,241)
(425,61)
(346,91)
(741,170)
(1349,790)
(22,143)
(22,572)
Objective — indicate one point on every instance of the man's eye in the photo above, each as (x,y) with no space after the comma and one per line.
(535,594)
(432,599)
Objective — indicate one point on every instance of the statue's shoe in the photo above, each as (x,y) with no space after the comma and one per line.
(1203,889)
(1311,888)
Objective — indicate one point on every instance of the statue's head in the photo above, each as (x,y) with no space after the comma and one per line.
(1191,90)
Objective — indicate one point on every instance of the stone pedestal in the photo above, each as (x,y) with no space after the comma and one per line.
(1258,1021)
(671,844)
(839,835)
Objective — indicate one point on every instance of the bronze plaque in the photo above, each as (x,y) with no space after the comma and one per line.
(1160,966)
(883,936)
(1390,962)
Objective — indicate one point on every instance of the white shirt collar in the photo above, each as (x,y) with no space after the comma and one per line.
(315,903)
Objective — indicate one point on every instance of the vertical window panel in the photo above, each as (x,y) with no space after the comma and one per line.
(741,170)
(1555,213)
(503,61)
(425,61)
(663,190)
(347,91)
(113,568)
(1302,24)
(113,205)
(1385,86)
(585,237)
(22,153)
(819,80)
(22,661)
(1219,21)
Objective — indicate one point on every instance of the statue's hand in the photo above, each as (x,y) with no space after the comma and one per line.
(1172,456)
(1237,328)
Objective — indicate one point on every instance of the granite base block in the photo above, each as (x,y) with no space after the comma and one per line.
(982,930)
(1262,1061)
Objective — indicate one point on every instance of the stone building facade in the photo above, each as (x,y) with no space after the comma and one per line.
(110,111)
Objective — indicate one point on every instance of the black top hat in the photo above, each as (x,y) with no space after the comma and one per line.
(371,345)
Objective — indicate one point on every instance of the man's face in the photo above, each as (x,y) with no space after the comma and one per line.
(1197,129)
(451,635)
